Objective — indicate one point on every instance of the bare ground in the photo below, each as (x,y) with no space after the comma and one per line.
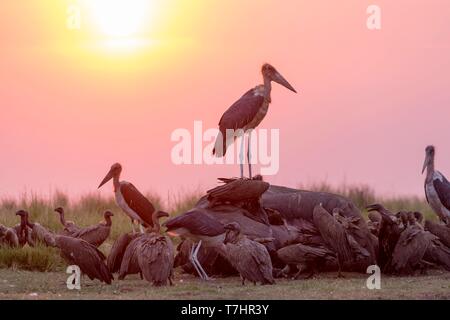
(17,284)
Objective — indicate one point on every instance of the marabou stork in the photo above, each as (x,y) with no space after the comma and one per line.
(437,187)
(246,114)
(129,199)
(199,227)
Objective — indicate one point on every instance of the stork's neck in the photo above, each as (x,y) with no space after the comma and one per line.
(116,182)
(267,89)
(430,169)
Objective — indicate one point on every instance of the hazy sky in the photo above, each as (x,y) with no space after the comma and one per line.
(75,101)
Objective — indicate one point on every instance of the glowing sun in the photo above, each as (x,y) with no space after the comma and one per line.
(119,18)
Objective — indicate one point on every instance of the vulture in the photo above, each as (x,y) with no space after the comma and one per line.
(297,207)
(155,254)
(441,231)
(437,187)
(129,264)
(150,254)
(250,258)
(79,252)
(334,234)
(22,230)
(96,234)
(374,222)
(388,234)
(37,233)
(69,226)
(244,193)
(8,237)
(117,252)
(306,258)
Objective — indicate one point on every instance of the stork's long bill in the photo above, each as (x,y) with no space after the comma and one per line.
(108,177)
(278,78)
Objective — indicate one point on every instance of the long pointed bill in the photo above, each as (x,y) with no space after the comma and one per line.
(281,80)
(425,164)
(108,177)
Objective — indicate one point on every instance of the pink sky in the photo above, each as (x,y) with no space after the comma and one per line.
(369,101)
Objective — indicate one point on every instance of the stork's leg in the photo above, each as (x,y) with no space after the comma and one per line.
(249,154)
(193,262)
(205,275)
(241,155)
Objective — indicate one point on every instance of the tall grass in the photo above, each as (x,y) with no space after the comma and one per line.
(85,211)
(88,210)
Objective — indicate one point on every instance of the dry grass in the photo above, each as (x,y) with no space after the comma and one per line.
(51,285)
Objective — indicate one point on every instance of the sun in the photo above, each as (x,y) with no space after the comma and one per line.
(119,18)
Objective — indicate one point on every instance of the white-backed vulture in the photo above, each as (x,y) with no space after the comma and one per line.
(79,252)
(96,234)
(250,258)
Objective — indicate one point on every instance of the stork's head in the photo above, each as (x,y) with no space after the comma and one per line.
(115,171)
(270,73)
(233,230)
(60,210)
(429,157)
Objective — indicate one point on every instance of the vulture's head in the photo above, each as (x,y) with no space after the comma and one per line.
(232,231)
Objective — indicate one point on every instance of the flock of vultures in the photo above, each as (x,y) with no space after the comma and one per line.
(248,227)
(254,229)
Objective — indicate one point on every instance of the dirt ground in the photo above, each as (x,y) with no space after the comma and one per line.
(16,284)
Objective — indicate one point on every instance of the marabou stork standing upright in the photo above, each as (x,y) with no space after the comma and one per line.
(437,187)
(246,114)
(129,199)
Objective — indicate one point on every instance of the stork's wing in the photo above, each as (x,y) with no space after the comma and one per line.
(87,257)
(95,234)
(137,202)
(439,230)
(118,250)
(238,190)
(238,116)
(155,258)
(197,222)
(332,232)
(443,190)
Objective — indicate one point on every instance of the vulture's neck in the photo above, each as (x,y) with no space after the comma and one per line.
(108,221)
